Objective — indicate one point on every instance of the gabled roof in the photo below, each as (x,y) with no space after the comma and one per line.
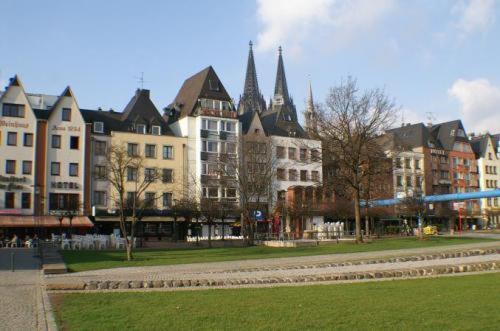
(446,133)
(274,125)
(414,135)
(111,120)
(480,145)
(204,84)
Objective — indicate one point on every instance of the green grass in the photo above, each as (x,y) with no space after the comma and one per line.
(91,260)
(447,303)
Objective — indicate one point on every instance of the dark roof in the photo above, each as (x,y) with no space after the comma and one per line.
(414,135)
(140,109)
(480,144)
(275,125)
(246,120)
(42,114)
(251,100)
(280,86)
(446,133)
(204,84)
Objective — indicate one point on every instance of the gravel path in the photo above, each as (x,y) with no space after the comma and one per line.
(224,270)
(20,293)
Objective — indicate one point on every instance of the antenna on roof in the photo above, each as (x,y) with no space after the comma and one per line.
(140,79)
(430,118)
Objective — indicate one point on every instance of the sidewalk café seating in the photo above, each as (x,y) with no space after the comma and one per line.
(66,244)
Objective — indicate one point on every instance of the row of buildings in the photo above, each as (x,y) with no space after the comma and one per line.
(54,153)
(53,156)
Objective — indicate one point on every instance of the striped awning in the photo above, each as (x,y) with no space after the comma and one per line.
(21,221)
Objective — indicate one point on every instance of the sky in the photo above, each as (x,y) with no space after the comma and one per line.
(438,59)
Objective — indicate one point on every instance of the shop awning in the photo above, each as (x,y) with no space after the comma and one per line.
(15,221)
(144,219)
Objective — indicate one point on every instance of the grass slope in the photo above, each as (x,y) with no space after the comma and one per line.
(91,260)
(447,303)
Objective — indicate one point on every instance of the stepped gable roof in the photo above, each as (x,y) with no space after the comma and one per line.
(414,135)
(446,133)
(204,84)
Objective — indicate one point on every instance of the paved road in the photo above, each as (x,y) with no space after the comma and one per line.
(20,293)
(243,269)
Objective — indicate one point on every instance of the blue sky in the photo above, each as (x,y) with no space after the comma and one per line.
(431,56)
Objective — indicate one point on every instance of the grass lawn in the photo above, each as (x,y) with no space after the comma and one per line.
(90,260)
(447,303)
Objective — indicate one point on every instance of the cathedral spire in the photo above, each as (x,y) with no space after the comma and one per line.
(252,99)
(310,113)
(280,88)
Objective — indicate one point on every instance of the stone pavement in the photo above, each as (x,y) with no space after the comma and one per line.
(429,261)
(20,292)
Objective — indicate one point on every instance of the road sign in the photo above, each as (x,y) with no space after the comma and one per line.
(258,215)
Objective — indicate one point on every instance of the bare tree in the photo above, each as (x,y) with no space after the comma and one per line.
(254,175)
(348,126)
(129,179)
(187,207)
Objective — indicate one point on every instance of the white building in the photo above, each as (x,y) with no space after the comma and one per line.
(488,163)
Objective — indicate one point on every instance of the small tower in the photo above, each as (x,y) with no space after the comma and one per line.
(251,100)
(310,113)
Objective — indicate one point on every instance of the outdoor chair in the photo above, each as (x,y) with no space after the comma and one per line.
(65,244)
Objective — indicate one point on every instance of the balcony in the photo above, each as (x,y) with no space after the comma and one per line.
(204,133)
(217,113)
(223,135)
(204,156)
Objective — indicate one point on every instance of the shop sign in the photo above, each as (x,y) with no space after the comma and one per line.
(15,124)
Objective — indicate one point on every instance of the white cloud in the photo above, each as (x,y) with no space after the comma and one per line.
(474,16)
(290,22)
(480,104)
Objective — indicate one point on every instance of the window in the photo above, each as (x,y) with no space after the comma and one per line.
(100,172)
(12,110)
(130,198)
(209,125)
(292,175)
(56,141)
(281,174)
(66,114)
(315,176)
(213,85)
(99,198)
(303,175)
(167,200)
(418,182)
(213,192)
(228,126)
(25,200)
(98,127)
(168,152)
(226,106)
(314,155)
(210,169)
(167,176)
(150,151)
(466,162)
(408,163)
(131,174)
(149,174)
(303,154)
(27,166)
(409,181)
(399,181)
(28,140)
(292,153)
(140,128)
(229,147)
(12,138)
(74,142)
(398,162)
(417,164)
(55,168)
(10,167)
(149,199)
(156,130)
(230,193)
(209,146)
(445,174)
(280,152)
(132,149)
(9,199)
(495,202)
(99,147)
(490,156)
(73,169)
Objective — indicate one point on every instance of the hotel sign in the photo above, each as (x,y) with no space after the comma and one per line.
(65,185)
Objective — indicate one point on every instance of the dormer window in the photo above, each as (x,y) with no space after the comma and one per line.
(99,127)
(140,128)
(66,114)
(213,85)
(156,130)
(460,133)
(452,133)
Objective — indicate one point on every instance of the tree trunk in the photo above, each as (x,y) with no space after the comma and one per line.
(209,235)
(367,224)
(357,215)
(128,246)
(174,229)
